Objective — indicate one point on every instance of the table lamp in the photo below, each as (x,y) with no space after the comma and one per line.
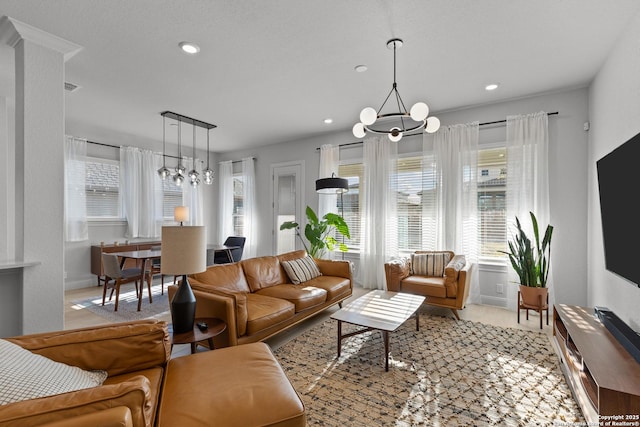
(181,214)
(184,251)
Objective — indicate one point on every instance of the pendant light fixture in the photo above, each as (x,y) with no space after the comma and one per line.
(193,173)
(164,172)
(179,174)
(208,172)
(395,125)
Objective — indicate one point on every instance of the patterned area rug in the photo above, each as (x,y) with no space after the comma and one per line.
(450,373)
(128,305)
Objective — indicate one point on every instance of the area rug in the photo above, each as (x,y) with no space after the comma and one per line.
(128,305)
(450,373)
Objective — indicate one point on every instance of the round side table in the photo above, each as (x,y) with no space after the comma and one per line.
(215,328)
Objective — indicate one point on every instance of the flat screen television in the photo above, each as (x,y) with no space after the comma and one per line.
(619,186)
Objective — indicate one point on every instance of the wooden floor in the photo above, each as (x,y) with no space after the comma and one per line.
(497,316)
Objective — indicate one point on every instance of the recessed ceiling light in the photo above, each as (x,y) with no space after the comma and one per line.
(189,47)
(328,121)
(360,68)
(492,86)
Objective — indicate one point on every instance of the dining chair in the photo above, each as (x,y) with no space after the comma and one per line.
(115,276)
(154,269)
(236,254)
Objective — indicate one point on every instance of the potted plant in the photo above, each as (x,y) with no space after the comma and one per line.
(531,263)
(319,232)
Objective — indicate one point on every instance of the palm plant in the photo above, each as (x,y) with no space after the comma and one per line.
(319,232)
(529,262)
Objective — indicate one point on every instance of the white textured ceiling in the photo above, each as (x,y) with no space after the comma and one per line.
(272,70)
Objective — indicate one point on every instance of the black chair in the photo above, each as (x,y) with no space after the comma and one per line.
(236,254)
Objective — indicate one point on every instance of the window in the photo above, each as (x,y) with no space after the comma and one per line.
(416,193)
(102,182)
(238,205)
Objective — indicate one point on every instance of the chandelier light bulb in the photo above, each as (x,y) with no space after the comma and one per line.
(368,116)
(195,183)
(178,179)
(164,172)
(358,130)
(419,111)
(208,173)
(180,170)
(208,179)
(395,134)
(433,124)
(193,175)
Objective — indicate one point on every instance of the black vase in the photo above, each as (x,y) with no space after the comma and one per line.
(183,308)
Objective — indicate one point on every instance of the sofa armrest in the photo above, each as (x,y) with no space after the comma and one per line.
(120,416)
(395,271)
(228,306)
(134,393)
(117,348)
(336,268)
(452,275)
(464,284)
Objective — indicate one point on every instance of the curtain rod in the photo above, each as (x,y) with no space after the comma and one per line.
(118,147)
(415,134)
(237,161)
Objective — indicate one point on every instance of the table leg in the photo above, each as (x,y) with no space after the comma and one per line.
(417,321)
(193,348)
(385,335)
(211,346)
(339,337)
(141,284)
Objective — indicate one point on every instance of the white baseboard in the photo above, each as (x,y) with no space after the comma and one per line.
(489,300)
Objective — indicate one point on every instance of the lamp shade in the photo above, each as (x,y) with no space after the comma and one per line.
(184,250)
(332,185)
(181,213)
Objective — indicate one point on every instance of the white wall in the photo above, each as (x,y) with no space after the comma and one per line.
(568,159)
(615,117)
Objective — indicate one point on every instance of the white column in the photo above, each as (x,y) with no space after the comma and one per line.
(39,169)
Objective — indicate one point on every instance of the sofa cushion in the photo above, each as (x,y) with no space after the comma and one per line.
(224,276)
(425,285)
(336,287)
(429,264)
(301,270)
(25,375)
(262,272)
(288,256)
(264,311)
(303,297)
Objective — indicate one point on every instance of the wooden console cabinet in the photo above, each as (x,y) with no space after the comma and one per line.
(97,250)
(604,377)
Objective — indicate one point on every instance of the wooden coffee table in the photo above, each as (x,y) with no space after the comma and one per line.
(378,310)
(214,328)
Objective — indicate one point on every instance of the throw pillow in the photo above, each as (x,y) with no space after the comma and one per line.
(429,264)
(25,375)
(302,269)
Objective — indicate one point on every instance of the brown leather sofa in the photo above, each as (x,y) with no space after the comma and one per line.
(256,298)
(450,290)
(145,388)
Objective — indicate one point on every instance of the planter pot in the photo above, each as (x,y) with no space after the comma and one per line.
(534,297)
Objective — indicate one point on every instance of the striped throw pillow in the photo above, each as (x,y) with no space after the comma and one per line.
(302,269)
(25,375)
(431,264)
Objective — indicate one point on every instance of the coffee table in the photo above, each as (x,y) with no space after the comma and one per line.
(378,310)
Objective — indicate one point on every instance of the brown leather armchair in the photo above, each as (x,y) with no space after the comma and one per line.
(237,386)
(449,290)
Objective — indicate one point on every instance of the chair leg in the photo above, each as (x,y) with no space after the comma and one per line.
(117,285)
(518,306)
(104,293)
(162,284)
(149,289)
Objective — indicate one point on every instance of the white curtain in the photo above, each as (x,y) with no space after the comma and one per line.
(451,212)
(141,192)
(225,215)
(379,241)
(527,183)
(249,205)
(75,199)
(329,162)
(193,197)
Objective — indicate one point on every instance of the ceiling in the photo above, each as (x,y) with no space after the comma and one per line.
(272,71)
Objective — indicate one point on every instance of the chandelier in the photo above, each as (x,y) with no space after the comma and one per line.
(395,125)
(179,172)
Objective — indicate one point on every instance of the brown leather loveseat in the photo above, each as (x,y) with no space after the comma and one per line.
(257,299)
(145,388)
(441,276)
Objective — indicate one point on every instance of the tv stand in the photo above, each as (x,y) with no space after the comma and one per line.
(604,377)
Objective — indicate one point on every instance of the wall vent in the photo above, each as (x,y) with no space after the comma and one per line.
(70,87)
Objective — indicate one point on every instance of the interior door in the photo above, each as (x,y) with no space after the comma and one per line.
(288,199)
